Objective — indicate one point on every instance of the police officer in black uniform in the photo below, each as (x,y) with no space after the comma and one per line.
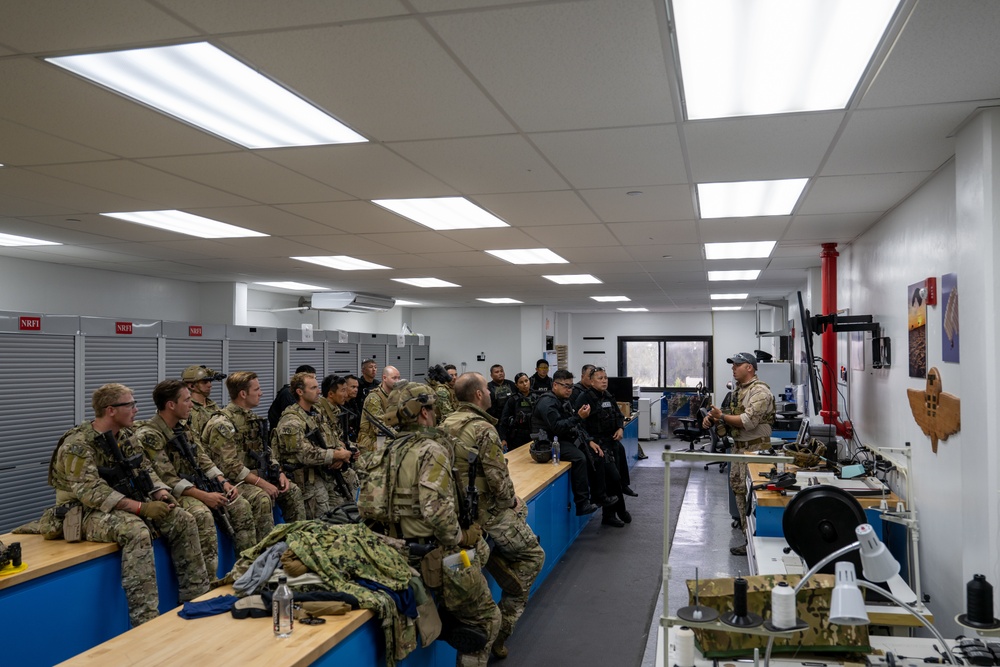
(606,424)
(554,415)
(500,389)
(514,425)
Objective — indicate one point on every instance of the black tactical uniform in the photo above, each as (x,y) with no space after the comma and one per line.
(606,418)
(499,394)
(515,422)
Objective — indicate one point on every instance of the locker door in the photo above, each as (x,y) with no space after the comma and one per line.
(342,358)
(36,408)
(130,361)
(418,362)
(257,356)
(184,352)
(369,351)
(400,358)
(306,353)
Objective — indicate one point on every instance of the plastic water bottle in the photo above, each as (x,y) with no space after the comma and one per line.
(281,608)
(555,450)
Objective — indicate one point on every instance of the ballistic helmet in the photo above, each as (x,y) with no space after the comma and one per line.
(198,373)
(405,402)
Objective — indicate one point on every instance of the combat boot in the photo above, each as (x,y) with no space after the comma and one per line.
(498,649)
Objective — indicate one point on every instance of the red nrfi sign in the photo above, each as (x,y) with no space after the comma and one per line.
(123,328)
(29,323)
(194,330)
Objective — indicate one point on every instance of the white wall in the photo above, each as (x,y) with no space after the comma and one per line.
(459,334)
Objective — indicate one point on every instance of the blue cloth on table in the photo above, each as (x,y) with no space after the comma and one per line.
(405,601)
(210,607)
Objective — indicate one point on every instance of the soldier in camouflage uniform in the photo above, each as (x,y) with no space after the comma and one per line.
(173,405)
(375,403)
(109,516)
(231,435)
(517,557)
(424,509)
(199,381)
(332,403)
(440,381)
(315,468)
(749,417)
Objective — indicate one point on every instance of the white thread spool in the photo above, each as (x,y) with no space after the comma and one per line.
(685,646)
(783,606)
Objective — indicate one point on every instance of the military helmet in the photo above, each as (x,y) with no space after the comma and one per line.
(198,373)
(405,402)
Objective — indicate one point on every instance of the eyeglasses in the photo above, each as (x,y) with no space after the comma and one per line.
(130,404)
(564,384)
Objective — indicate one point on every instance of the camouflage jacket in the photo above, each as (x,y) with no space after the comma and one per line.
(446,401)
(73,468)
(171,466)
(424,496)
(375,403)
(229,436)
(292,446)
(475,431)
(332,415)
(754,404)
(200,414)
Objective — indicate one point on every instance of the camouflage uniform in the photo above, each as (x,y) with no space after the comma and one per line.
(175,471)
(754,403)
(311,465)
(446,400)
(200,414)
(517,557)
(73,472)
(375,403)
(229,437)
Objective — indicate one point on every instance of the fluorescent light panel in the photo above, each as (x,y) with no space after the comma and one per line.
(208,88)
(292,285)
(528,256)
(442,213)
(402,302)
(185,223)
(502,299)
(574,279)
(727,307)
(10,240)
(425,282)
(610,299)
(733,296)
(749,198)
(634,310)
(743,58)
(733,275)
(743,250)
(342,262)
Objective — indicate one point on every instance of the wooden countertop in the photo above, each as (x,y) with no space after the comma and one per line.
(775,499)
(46,556)
(529,477)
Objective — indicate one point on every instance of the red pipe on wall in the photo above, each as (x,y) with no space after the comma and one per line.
(828,263)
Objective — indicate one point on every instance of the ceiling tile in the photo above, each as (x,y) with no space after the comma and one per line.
(22,146)
(354,216)
(655,233)
(499,238)
(17,207)
(665,202)
(418,242)
(529,209)
(727,230)
(569,236)
(347,244)
(860,193)
(666,255)
(31,185)
(239,15)
(838,227)
(266,219)
(616,80)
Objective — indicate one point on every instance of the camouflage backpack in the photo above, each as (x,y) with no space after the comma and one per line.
(375,495)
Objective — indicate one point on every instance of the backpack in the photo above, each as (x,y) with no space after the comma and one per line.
(375,495)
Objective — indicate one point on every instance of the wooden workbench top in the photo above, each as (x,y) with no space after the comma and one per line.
(46,556)
(529,477)
(775,499)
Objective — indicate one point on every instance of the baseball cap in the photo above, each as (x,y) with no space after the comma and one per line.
(197,373)
(743,358)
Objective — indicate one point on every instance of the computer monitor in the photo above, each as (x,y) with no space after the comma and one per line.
(621,389)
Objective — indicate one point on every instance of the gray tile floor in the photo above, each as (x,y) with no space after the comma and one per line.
(702,538)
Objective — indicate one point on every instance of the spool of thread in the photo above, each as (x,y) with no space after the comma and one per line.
(685,646)
(740,587)
(979,600)
(783,606)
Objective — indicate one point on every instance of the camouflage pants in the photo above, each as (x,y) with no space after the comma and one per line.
(320,493)
(466,594)
(242,520)
(516,560)
(738,479)
(290,502)
(138,569)
(207,536)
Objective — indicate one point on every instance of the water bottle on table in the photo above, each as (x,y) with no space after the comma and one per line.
(281,608)
(555,450)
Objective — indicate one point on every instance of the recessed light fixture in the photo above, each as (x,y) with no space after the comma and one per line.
(608,299)
(425,282)
(749,198)
(185,223)
(292,285)
(574,279)
(501,299)
(732,296)
(733,275)
(727,307)
(11,241)
(528,256)
(634,310)
(342,262)
(740,250)
(206,87)
(402,302)
(742,58)
(442,213)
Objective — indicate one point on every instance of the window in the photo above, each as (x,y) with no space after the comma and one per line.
(665,362)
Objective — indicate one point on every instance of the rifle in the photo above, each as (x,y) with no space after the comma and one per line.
(202,481)
(267,467)
(316,437)
(380,425)
(469,511)
(126,476)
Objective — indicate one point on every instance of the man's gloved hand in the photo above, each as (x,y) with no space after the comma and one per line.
(471,536)
(154,510)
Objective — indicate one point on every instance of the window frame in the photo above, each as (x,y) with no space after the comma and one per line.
(662,340)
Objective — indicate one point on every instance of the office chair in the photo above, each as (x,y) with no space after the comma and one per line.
(721,444)
(690,430)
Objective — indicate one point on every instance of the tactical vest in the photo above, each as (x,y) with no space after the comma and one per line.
(522,412)
(736,404)
(606,422)
(404,495)
(466,456)
(375,500)
(248,434)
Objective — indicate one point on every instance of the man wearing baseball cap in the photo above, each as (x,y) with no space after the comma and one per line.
(748,418)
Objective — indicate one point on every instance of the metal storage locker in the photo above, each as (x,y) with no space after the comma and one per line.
(193,345)
(400,358)
(254,349)
(418,360)
(37,405)
(292,353)
(373,346)
(124,351)
(342,358)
